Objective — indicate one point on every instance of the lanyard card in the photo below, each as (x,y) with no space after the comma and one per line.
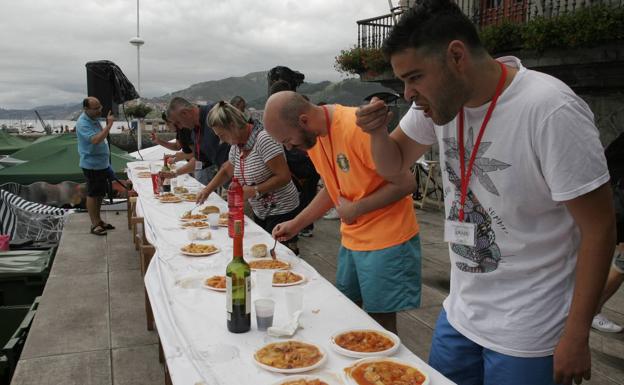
(460,232)
(198,165)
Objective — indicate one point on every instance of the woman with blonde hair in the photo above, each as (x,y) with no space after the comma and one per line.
(259,164)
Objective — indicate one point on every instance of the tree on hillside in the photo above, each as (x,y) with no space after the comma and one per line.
(139,111)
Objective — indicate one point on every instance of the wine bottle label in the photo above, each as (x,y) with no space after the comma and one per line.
(228,295)
(248,295)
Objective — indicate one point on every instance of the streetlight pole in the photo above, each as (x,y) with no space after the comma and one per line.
(138,42)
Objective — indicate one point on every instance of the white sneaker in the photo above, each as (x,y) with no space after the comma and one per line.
(603,324)
(331,214)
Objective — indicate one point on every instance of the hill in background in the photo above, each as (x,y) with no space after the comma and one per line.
(253,87)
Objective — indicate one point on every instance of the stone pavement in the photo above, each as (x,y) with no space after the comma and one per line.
(90,325)
(416,326)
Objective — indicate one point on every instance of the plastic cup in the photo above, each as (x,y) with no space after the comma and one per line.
(154,170)
(264,282)
(264,313)
(294,299)
(213,220)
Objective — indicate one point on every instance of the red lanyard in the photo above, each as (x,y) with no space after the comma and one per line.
(242,156)
(466,174)
(198,139)
(330,158)
(241,164)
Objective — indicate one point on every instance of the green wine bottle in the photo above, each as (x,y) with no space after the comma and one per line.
(238,286)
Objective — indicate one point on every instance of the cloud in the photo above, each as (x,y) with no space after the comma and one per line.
(186,42)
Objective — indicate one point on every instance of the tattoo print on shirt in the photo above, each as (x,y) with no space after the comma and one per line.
(486,255)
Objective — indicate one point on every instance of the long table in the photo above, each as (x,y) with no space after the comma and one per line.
(191,320)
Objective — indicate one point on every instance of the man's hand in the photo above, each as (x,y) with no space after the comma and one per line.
(347,210)
(202,196)
(167,174)
(285,230)
(374,117)
(571,360)
(109,119)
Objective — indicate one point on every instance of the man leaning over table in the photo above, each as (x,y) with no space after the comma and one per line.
(208,151)
(529,214)
(379,261)
(94,159)
(183,142)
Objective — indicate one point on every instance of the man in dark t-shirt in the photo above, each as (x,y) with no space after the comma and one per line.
(183,142)
(208,151)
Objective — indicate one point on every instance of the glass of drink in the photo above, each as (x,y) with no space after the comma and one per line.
(154,170)
(213,220)
(264,313)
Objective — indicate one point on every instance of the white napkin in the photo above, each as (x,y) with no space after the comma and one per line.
(287,330)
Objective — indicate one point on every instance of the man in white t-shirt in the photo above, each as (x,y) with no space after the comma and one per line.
(529,218)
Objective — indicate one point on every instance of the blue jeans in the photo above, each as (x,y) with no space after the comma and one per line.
(467,363)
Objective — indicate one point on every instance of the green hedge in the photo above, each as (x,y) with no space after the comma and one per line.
(586,27)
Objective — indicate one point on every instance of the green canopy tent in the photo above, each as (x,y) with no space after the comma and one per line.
(57,164)
(11,143)
(50,144)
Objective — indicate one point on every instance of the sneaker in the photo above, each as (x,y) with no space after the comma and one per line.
(603,324)
(331,214)
(307,233)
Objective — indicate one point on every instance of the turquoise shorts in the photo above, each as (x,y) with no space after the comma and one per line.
(384,281)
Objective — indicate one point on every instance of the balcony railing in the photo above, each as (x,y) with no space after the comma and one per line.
(373,31)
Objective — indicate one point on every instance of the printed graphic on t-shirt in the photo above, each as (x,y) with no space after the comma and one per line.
(343,162)
(482,165)
(485,256)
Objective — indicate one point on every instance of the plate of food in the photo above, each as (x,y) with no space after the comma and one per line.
(180,190)
(196,225)
(363,343)
(306,379)
(189,197)
(269,263)
(199,250)
(169,198)
(290,357)
(216,282)
(144,174)
(287,278)
(373,371)
(190,217)
(259,250)
(210,209)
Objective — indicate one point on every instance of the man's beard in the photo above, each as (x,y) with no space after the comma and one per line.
(452,98)
(308,139)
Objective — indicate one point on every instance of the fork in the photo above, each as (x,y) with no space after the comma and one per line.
(272,251)
(189,212)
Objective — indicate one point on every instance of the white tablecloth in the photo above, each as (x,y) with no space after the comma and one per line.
(191,320)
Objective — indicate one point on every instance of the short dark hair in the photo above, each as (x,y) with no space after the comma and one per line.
(432,25)
(85,103)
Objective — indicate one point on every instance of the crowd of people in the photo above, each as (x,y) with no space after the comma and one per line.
(529,213)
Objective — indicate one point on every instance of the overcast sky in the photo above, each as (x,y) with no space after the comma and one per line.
(46,43)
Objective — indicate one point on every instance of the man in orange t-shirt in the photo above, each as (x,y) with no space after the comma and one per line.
(379,261)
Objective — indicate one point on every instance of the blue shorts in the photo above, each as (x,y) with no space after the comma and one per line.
(467,363)
(384,281)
